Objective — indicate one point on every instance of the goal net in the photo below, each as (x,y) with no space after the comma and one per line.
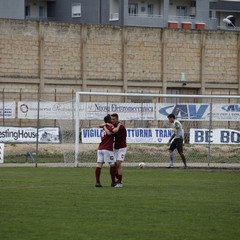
(210,122)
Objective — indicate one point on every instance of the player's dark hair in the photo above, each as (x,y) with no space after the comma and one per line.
(171,116)
(115,115)
(107,119)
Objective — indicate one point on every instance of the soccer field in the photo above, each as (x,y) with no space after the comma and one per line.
(63,204)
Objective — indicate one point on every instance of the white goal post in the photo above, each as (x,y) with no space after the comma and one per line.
(207,112)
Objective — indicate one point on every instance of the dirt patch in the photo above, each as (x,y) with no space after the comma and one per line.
(21,149)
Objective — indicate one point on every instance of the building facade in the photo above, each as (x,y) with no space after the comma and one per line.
(148,13)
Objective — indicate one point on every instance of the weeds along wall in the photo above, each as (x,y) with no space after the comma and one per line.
(55,56)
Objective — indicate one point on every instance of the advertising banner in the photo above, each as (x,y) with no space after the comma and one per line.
(215,136)
(183,111)
(126,111)
(226,112)
(9,109)
(47,110)
(162,135)
(134,135)
(88,111)
(29,135)
(199,112)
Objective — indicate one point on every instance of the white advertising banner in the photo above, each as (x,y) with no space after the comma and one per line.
(162,135)
(134,135)
(29,135)
(215,136)
(198,112)
(47,110)
(9,109)
(1,152)
(226,112)
(126,111)
(88,111)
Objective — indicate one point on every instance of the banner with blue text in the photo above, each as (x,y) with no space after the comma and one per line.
(134,135)
(7,109)
(29,135)
(214,136)
(199,112)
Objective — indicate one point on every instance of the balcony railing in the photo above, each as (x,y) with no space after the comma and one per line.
(145,15)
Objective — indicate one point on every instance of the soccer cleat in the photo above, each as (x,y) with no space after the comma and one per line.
(113,184)
(98,185)
(170,166)
(119,185)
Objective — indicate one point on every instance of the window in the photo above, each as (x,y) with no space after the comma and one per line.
(133,9)
(150,9)
(114,10)
(42,12)
(76,10)
(192,10)
(193,4)
(181,11)
(27,11)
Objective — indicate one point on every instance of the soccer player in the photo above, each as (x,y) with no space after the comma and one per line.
(105,150)
(120,147)
(176,140)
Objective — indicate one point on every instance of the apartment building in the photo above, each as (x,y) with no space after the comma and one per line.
(28,9)
(220,10)
(211,14)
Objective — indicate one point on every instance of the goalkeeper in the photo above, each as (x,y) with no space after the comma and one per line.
(176,140)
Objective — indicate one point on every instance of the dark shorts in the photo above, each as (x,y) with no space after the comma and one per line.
(177,143)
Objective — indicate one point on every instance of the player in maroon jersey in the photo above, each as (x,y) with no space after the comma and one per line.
(105,150)
(120,147)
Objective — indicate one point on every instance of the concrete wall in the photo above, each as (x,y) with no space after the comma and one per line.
(71,57)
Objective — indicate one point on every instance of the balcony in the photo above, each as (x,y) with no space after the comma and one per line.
(145,20)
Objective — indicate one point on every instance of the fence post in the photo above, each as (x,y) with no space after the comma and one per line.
(38,123)
(3,107)
(209,133)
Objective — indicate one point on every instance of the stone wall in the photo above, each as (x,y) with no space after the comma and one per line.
(70,57)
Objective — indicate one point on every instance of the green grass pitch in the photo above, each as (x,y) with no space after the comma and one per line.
(168,204)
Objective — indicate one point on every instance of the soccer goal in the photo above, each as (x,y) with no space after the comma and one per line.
(211,127)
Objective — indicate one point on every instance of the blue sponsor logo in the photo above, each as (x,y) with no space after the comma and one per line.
(186,111)
(231,108)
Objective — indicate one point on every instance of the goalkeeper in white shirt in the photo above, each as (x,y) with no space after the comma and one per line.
(176,140)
